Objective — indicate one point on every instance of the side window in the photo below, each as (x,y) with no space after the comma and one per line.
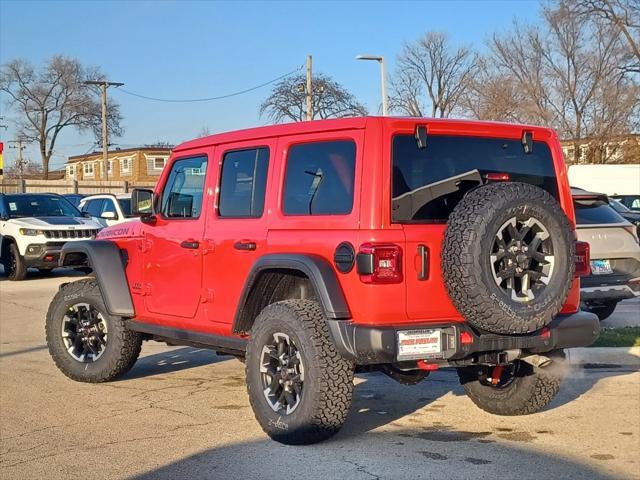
(319,178)
(243,183)
(182,195)
(93,207)
(108,206)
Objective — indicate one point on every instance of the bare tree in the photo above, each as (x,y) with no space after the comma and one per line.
(432,73)
(568,72)
(623,14)
(54,98)
(19,169)
(287,101)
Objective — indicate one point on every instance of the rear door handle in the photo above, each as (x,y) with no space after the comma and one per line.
(245,245)
(423,255)
(192,244)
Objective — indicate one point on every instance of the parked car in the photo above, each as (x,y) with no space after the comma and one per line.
(615,254)
(317,249)
(108,209)
(632,216)
(33,229)
(74,198)
(630,201)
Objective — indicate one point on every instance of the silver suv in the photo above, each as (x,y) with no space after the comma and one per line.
(615,253)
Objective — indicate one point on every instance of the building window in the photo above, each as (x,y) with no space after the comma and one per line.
(158,163)
(126,165)
(71,171)
(88,169)
(110,167)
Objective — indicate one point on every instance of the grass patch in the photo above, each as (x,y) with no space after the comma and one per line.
(619,337)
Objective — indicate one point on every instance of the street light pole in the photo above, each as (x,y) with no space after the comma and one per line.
(105,133)
(383,79)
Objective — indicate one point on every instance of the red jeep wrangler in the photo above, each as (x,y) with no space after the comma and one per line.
(319,249)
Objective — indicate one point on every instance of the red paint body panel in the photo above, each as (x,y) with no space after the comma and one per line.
(200,289)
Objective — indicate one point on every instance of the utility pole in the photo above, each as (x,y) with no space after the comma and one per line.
(105,134)
(20,161)
(309,89)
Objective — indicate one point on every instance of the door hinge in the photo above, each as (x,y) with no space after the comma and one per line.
(145,245)
(207,296)
(209,247)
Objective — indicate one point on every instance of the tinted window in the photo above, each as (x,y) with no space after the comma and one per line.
(429,183)
(595,212)
(93,207)
(39,206)
(182,195)
(125,205)
(319,178)
(243,184)
(109,206)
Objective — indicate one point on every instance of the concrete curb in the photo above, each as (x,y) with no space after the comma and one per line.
(622,356)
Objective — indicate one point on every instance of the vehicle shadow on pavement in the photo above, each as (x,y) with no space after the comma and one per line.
(377,455)
(173,361)
(35,274)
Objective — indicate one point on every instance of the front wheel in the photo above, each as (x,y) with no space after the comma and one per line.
(517,388)
(15,267)
(86,343)
(299,386)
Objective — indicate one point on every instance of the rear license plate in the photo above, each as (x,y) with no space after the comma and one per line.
(601,267)
(419,344)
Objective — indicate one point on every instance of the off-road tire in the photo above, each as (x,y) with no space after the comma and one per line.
(328,385)
(14,271)
(466,263)
(602,310)
(531,390)
(122,348)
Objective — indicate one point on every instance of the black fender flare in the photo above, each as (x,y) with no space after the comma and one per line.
(317,269)
(106,260)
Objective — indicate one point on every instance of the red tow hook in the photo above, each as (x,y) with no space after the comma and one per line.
(496,374)
(423,365)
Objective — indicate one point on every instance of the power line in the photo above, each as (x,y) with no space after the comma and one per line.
(220,97)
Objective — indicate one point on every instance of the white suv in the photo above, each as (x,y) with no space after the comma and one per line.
(107,209)
(33,228)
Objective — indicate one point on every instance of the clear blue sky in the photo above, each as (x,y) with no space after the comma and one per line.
(187,49)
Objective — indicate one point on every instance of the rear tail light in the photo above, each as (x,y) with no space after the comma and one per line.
(379,263)
(583,268)
(633,230)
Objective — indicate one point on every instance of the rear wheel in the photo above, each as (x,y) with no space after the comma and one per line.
(86,343)
(517,388)
(15,267)
(299,386)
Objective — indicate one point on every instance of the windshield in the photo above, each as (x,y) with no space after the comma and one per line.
(39,206)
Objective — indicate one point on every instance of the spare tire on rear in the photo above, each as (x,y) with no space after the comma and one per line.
(508,257)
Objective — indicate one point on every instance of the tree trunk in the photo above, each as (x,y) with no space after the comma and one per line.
(45,160)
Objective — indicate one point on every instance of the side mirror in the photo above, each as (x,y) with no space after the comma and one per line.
(142,201)
(109,215)
(142,205)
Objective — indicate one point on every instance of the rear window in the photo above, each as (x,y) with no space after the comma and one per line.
(595,212)
(429,183)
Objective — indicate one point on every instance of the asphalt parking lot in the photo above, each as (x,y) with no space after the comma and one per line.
(184,413)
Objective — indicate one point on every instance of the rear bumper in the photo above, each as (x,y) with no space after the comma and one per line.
(366,345)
